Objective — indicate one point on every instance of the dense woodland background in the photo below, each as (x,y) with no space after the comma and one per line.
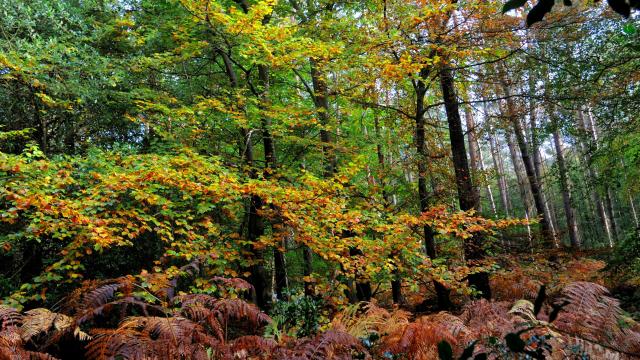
(388,179)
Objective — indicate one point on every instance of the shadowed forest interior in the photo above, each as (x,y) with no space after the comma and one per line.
(319,179)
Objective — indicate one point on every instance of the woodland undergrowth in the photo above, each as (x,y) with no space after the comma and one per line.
(535,313)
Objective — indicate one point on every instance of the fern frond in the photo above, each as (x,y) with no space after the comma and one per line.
(123,305)
(252,346)
(237,309)
(419,340)
(124,343)
(12,348)
(594,315)
(524,309)
(202,315)
(453,324)
(151,338)
(94,294)
(233,283)
(331,344)
(42,321)
(374,319)
(581,348)
(488,318)
(514,285)
(9,317)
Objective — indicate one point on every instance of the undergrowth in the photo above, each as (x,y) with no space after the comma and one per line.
(569,315)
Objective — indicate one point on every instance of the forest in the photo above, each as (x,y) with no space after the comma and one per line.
(319,179)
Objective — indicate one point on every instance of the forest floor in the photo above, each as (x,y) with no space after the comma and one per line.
(575,316)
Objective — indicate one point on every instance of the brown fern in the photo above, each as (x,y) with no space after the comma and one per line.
(488,318)
(593,315)
(331,344)
(252,347)
(12,348)
(45,327)
(94,294)
(123,307)
(218,313)
(419,340)
(151,337)
(362,319)
(9,317)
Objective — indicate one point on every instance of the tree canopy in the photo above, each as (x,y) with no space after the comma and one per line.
(212,161)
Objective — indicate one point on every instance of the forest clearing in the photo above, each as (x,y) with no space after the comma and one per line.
(319,179)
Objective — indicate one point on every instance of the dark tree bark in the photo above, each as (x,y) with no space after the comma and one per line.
(474,153)
(270,159)
(442,292)
(41,122)
(307,257)
(567,201)
(363,288)
(320,96)
(537,159)
(467,195)
(321,101)
(255,227)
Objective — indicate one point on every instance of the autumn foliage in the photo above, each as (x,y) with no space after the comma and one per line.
(319,179)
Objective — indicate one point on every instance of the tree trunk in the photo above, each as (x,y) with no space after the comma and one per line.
(528,165)
(592,129)
(492,201)
(608,196)
(572,226)
(537,160)
(396,283)
(307,256)
(41,130)
(442,292)
(321,101)
(499,166)
(591,179)
(474,154)
(636,221)
(255,226)
(467,195)
(522,183)
(363,288)
(270,160)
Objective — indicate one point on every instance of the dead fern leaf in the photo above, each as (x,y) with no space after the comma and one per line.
(252,346)
(151,338)
(418,340)
(9,317)
(331,344)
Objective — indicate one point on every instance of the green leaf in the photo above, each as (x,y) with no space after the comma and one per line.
(513,4)
(514,342)
(444,351)
(629,29)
